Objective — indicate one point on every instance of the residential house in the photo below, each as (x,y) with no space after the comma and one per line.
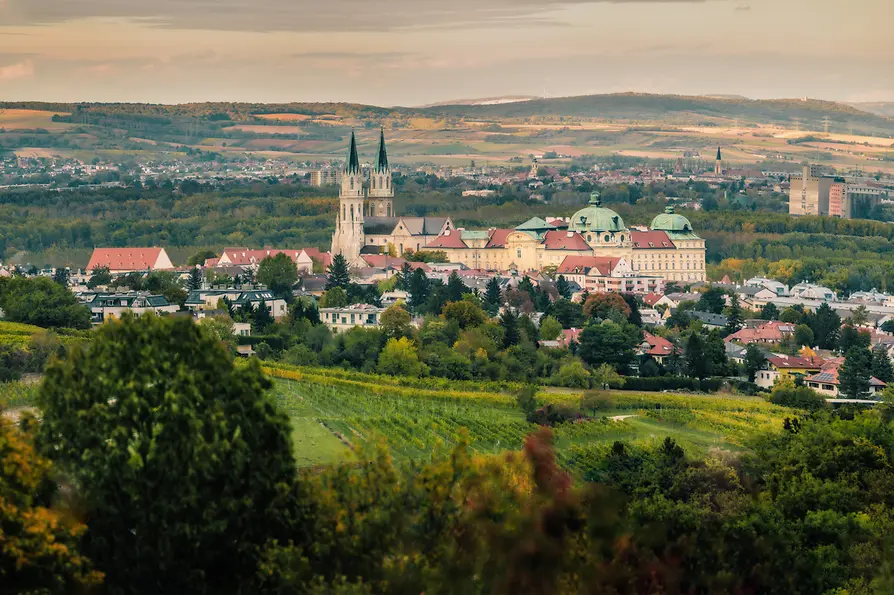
(673,300)
(826,382)
(658,348)
(568,336)
(788,366)
(244,257)
(770,332)
(709,320)
(104,307)
(779,289)
(130,260)
(808,291)
(346,318)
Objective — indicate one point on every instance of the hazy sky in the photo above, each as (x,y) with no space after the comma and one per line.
(410,52)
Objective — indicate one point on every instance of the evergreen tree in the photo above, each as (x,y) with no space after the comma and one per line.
(62,276)
(455,288)
(696,364)
(339,274)
(403,277)
(563,287)
(881,365)
(853,375)
(493,296)
(261,319)
(509,322)
(770,312)
(712,301)
(635,317)
(754,361)
(734,315)
(715,354)
(527,286)
(825,324)
(194,282)
(419,288)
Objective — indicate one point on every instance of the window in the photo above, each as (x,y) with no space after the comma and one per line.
(518,253)
(607,238)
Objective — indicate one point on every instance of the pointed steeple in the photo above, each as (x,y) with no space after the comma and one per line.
(381,165)
(352,163)
(719,158)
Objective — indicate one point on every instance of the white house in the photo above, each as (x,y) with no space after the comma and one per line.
(346,318)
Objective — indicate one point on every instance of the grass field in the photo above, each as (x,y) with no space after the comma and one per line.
(332,414)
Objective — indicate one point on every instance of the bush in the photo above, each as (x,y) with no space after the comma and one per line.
(786,394)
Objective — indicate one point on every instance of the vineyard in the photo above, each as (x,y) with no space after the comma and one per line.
(20,335)
(331,414)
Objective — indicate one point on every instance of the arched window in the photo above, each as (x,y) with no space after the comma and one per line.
(607,238)
(352,212)
(352,183)
(374,183)
(344,213)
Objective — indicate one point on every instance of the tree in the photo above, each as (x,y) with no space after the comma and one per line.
(851,336)
(400,358)
(712,301)
(734,316)
(770,312)
(526,399)
(605,376)
(195,279)
(825,324)
(420,289)
(694,357)
(550,328)
(635,318)
(793,315)
(39,544)
(609,343)
(859,316)
(180,459)
(455,287)
(339,274)
(222,327)
(854,374)
(261,319)
(62,276)
(573,375)
(465,313)
(568,313)
(804,336)
(509,322)
(602,305)
(881,365)
(395,322)
(279,274)
(99,276)
(199,258)
(754,361)
(563,287)
(787,394)
(493,296)
(41,302)
(715,354)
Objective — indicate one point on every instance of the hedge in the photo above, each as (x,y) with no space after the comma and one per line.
(660,383)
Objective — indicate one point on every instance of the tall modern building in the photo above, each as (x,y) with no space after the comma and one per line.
(809,192)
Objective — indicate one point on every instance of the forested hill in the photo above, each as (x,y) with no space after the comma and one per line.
(676,109)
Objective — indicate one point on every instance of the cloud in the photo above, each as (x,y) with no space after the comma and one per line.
(19,70)
(300,15)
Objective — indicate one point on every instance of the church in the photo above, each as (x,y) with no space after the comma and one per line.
(366,224)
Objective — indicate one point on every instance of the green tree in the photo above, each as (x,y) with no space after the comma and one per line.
(464,313)
(41,302)
(754,361)
(696,363)
(420,290)
(455,287)
(395,322)
(804,335)
(180,460)
(400,358)
(605,376)
(850,336)
(734,315)
(511,333)
(609,343)
(339,274)
(526,399)
(859,316)
(550,328)
(199,258)
(854,373)
(39,543)
(825,324)
(62,276)
(99,276)
(563,287)
(770,312)
(279,274)
(794,315)
(261,319)
(493,296)
(572,374)
(787,394)
(334,298)
(881,365)
(195,279)
(712,301)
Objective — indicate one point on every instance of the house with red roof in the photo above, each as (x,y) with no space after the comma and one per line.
(826,382)
(773,332)
(658,348)
(788,366)
(244,257)
(130,260)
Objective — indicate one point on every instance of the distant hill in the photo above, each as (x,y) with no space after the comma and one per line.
(681,108)
(880,108)
(484,101)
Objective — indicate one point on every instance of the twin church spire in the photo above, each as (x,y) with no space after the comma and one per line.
(380,193)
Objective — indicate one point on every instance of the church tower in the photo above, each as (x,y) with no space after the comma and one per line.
(381,193)
(348,238)
(718,164)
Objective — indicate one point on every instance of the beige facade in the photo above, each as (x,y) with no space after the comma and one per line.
(809,192)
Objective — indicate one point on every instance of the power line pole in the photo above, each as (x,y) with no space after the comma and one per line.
(826,124)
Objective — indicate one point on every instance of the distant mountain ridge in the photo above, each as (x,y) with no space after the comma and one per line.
(483,101)
(880,108)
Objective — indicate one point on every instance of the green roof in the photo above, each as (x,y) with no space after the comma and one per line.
(596,218)
(535,224)
(352,163)
(381,165)
(669,221)
(474,235)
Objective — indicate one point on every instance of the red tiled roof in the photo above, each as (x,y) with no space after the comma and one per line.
(558,223)
(658,346)
(564,240)
(768,332)
(325,258)
(383,261)
(582,264)
(797,362)
(650,299)
(570,335)
(211,262)
(498,238)
(125,259)
(829,375)
(448,240)
(650,240)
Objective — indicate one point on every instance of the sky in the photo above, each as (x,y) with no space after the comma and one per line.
(414,52)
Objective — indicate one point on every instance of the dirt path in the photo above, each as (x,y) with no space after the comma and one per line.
(621,417)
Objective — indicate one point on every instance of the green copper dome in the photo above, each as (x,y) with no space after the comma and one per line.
(668,221)
(596,218)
